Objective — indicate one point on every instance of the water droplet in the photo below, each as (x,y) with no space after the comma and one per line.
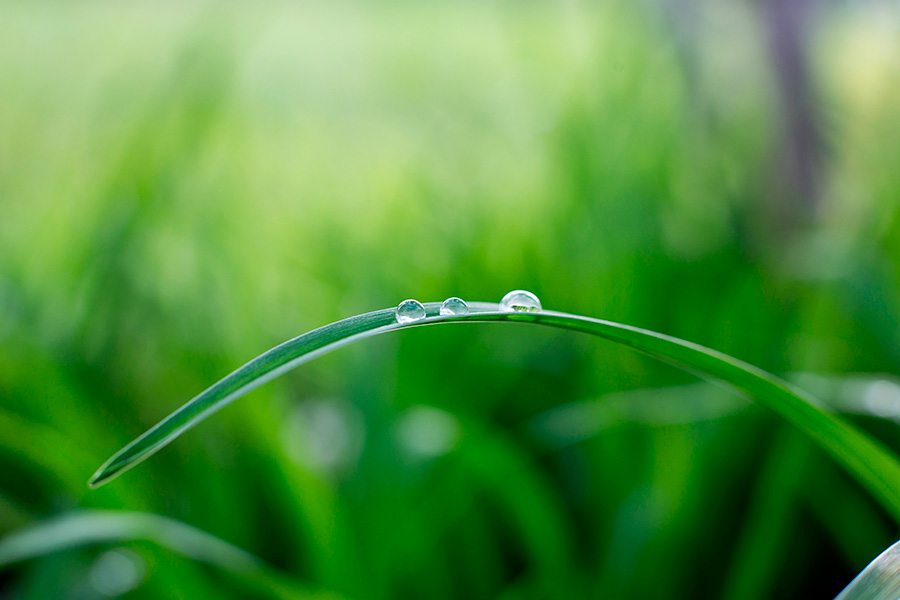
(454,306)
(520,301)
(409,311)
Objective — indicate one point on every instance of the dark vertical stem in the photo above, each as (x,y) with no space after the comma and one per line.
(797,192)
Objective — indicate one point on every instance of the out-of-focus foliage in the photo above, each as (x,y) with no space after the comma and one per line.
(184,185)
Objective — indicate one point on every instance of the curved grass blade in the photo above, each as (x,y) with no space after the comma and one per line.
(575,422)
(880,580)
(85,528)
(874,466)
(91,527)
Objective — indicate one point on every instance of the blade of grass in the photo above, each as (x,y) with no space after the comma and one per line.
(874,466)
(90,527)
(575,422)
(761,554)
(880,580)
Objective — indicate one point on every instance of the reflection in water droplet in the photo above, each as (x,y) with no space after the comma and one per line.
(454,306)
(409,311)
(520,301)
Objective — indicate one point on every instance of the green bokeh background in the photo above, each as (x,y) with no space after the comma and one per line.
(184,185)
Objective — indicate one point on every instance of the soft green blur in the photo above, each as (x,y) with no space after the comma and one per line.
(184,185)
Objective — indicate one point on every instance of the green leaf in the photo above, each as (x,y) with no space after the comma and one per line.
(90,527)
(880,580)
(874,466)
(86,528)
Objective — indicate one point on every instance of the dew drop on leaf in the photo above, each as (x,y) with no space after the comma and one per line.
(520,301)
(454,306)
(409,311)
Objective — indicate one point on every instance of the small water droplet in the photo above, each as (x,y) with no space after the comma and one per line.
(520,301)
(454,306)
(409,311)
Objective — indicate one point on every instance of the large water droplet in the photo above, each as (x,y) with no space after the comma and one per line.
(409,311)
(520,301)
(454,306)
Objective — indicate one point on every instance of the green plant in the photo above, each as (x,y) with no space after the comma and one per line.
(92,527)
(865,459)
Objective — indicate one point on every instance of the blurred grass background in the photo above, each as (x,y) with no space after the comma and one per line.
(184,185)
